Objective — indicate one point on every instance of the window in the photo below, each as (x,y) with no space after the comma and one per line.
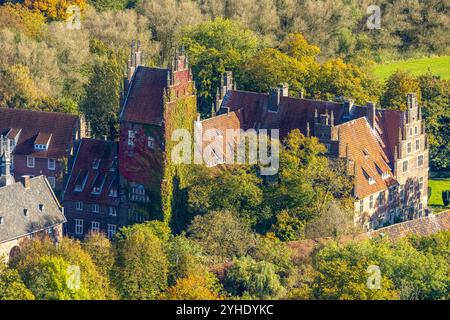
(371,202)
(420,161)
(95,227)
(78,226)
(410,132)
(52,181)
(391,195)
(405,166)
(411,189)
(51,164)
(385,175)
(112,228)
(112,211)
(131,136)
(151,142)
(79,205)
(420,183)
(409,147)
(30,162)
(415,130)
(420,209)
(371,180)
(417,144)
(361,206)
(381,198)
(95,208)
(113,193)
(138,194)
(402,192)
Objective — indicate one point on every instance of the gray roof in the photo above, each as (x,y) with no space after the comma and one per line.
(14,199)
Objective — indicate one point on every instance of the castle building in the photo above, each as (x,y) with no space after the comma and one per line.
(128,184)
(40,143)
(385,150)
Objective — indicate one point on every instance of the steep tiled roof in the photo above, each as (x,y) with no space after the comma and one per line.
(36,125)
(144,103)
(15,199)
(425,226)
(94,173)
(388,124)
(365,150)
(292,114)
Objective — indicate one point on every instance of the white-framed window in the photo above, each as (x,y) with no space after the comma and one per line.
(409,147)
(112,211)
(420,209)
(95,208)
(361,206)
(131,136)
(138,194)
(420,183)
(371,202)
(30,162)
(79,206)
(371,180)
(415,130)
(113,193)
(51,164)
(112,229)
(405,166)
(151,142)
(52,181)
(420,161)
(95,227)
(417,144)
(78,226)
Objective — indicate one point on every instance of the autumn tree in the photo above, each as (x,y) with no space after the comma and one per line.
(141,268)
(194,287)
(12,286)
(398,85)
(54,9)
(221,236)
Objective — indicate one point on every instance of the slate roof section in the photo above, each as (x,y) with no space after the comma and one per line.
(14,199)
(144,103)
(94,173)
(364,148)
(425,226)
(37,125)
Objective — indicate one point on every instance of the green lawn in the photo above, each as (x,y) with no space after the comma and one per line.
(437,65)
(437,186)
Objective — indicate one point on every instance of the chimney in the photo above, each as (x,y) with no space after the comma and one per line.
(301,93)
(284,88)
(371,113)
(25,181)
(274,99)
(348,106)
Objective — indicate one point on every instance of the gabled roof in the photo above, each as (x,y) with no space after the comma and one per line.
(14,199)
(365,149)
(32,126)
(144,103)
(94,173)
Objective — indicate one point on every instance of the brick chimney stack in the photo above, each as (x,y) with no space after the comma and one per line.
(26,181)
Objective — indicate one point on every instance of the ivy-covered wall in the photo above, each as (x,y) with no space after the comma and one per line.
(178,113)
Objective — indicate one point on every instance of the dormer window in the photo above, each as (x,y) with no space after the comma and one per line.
(2,221)
(96,190)
(95,164)
(131,136)
(42,141)
(371,180)
(41,207)
(366,153)
(113,193)
(151,142)
(26,212)
(385,175)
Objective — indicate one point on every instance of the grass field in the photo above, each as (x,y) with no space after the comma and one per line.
(437,186)
(437,65)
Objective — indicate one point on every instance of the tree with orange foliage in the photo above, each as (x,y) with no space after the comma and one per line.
(54,9)
(194,287)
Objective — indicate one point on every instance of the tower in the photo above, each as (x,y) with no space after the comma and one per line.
(5,163)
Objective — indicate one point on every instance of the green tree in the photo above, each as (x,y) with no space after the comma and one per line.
(398,85)
(141,268)
(12,286)
(252,279)
(221,236)
(99,248)
(214,47)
